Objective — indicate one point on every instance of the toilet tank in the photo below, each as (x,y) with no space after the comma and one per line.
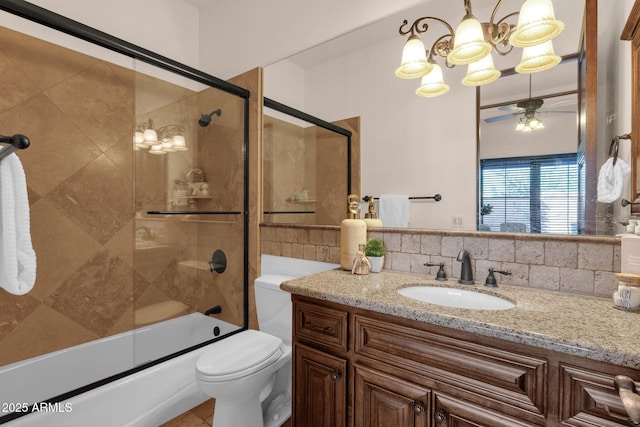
(273,306)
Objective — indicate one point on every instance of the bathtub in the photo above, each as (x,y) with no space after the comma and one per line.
(147,397)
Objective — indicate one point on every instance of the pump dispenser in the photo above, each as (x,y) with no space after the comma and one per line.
(353,233)
(370,217)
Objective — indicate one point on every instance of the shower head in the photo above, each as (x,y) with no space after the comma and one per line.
(205,119)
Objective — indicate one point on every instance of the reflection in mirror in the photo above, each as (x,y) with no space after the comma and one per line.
(527,151)
(419,146)
(306,167)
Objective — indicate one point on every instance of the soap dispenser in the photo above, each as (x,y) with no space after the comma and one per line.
(371,218)
(353,233)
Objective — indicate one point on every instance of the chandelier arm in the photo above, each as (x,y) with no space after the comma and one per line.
(417,28)
(442,46)
(499,32)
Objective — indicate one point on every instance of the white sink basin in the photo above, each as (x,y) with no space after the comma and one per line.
(459,298)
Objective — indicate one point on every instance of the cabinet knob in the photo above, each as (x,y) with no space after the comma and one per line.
(418,407)
(440,416)
(336,376)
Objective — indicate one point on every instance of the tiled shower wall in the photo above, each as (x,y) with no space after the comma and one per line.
(79,176)
(78,112)
(583,265)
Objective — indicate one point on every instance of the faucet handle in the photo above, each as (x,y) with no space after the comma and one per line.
(491,279)
(441,274)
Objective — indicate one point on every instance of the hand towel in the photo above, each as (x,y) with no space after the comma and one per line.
(394,210)
(611,179)
(17,257)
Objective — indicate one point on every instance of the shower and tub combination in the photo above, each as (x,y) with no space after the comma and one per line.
(115,323)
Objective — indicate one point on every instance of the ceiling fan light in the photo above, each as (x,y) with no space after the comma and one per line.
(469,44)
(520,126)
(538,58)
(414,62)
(536,24)
(481,72)
(432,84)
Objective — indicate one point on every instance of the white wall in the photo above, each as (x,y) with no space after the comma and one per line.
(167,27)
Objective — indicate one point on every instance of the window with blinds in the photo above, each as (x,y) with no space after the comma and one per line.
(537,194)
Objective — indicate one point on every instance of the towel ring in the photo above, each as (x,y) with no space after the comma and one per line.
(615,146)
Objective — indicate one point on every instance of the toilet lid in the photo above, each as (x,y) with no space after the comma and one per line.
(239,355)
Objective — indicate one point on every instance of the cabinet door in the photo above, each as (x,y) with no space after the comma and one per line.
(320,389)
(451,412)
(382,400)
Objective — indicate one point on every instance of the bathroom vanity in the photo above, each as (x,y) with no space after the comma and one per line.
(365,355)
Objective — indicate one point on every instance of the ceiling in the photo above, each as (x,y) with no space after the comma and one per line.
(309,32)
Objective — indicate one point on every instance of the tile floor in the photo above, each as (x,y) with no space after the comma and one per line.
(200,416)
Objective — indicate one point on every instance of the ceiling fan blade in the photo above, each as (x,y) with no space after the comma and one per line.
(557,111)
(564,101)
(498,118)
(511,108)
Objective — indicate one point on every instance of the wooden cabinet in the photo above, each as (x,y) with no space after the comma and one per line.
(320,391)
(364,369)
(383,400)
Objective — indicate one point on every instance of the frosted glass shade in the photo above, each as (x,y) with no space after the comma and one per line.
(468,43)
(538,58)
(536,24)
(150,137)
(157,149)
(433,84)
(414,60)
(481,72)
(167,146)
(179,144)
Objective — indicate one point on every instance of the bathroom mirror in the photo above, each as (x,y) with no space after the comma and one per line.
(421,146)
(306,163)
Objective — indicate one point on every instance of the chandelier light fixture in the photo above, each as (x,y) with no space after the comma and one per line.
(167,139)
(473,42)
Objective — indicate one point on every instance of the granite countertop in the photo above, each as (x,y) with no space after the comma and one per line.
(580,325)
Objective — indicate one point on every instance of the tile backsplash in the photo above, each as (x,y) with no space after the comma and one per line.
(573,264)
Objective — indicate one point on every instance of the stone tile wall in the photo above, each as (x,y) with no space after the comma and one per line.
(582,265)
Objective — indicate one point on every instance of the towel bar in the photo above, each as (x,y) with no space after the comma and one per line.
(16,142)
(437,198)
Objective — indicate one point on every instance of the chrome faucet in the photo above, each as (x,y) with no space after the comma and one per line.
(466,275)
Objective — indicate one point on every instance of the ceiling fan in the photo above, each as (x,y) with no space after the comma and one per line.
(526,111)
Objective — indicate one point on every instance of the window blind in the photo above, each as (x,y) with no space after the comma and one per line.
(536,194)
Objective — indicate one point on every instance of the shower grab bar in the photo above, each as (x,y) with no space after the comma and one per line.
(16,142)
(436,197)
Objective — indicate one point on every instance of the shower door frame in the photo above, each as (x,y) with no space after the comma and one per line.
(63,24)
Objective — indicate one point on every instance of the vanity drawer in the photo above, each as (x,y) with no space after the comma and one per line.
(589,397)
(320,325)
(494,376)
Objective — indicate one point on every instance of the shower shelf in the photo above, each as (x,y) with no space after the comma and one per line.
(194,212)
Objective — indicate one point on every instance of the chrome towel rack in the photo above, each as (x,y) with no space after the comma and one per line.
(15,143)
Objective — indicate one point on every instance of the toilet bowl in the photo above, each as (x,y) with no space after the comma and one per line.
(240,372)
(249,373)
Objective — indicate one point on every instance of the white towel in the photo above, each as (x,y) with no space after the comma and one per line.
(17,257)
(611,180)
(394,210)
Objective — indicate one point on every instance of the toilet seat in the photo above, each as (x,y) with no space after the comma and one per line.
(238,356)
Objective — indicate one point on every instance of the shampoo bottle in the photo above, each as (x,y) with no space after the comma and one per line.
(353,233)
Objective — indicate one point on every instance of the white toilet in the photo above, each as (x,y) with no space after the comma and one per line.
(249,374)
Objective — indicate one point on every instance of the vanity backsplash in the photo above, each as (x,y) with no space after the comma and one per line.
(582,265)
